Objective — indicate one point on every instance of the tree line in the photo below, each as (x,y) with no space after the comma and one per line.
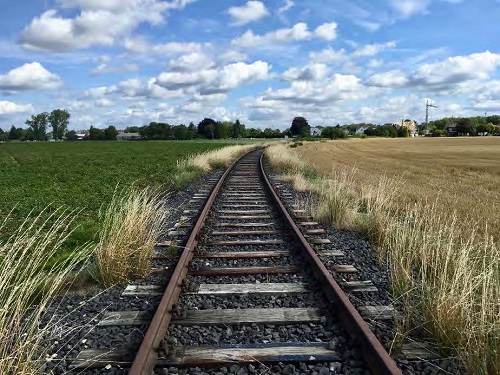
(208,128)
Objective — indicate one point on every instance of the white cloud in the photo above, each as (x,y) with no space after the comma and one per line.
(442,75)
(8,108)
(298,32)
(140,45)
(32,76)
(286,6)
(250,12)
(393,78)
(313,72)
(407,8)
(237,74)
(327,31)
(99,23)
(322,93)
(372,49)
(191,62)
(106,68)
(328,55)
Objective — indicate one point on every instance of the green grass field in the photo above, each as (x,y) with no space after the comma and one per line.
(83,175)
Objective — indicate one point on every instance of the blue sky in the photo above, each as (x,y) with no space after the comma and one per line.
(129,62)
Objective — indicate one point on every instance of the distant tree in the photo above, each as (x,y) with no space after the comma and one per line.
(465,126)
(238,129)
(3,135)
(222,129)
(438,133)
(300,127)
(334,132)
(38,125)
(207,127)
(132,129)
(59,121)
(403,132)
(254,133)
(110,133)
(71,136)
(181,132)
(95,134)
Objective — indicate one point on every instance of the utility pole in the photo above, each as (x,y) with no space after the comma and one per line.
(427,106)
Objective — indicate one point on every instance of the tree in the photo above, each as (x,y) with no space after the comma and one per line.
(222,130)
(71,136)
(59,121)
(15,133)
(181,132)
(207,127)
(238,129)
(132,129)
(110,133)
(38,125)
(300,127)
(403,132)
(95,134)
(465,126)
(333,132)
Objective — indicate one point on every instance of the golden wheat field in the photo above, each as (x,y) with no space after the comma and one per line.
(462,174)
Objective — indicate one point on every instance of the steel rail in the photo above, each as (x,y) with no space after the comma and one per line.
(377,358)
(146,356)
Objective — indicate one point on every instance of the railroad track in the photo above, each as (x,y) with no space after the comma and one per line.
(250,288)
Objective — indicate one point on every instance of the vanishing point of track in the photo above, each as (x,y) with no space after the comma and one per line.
(244,212)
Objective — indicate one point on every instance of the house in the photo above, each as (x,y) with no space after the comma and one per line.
(361,130)
(316,132)
(452,131)
(128,136)
(411,125)
(80,136)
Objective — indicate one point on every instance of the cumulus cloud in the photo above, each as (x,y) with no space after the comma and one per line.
(8,108)
(298,32)
(31,76)
(313,72)
(337,87)
(191,62)
(216,80)
(250,12)
(372,49)
(442,75)
(99,23)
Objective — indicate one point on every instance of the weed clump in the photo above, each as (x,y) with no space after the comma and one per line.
(131,224)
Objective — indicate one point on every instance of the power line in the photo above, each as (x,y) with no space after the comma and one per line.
(427,106)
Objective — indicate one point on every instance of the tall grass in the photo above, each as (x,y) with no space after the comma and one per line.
(131,225)
(27,285)
(209,160)
(445,275)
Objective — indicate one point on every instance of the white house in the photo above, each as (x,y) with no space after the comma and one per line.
(128,136)
(316,132)
(361,130)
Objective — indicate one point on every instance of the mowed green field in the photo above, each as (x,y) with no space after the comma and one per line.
(83,175)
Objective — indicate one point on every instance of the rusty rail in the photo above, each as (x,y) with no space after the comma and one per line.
(379,361)
(377,358)
(146,356)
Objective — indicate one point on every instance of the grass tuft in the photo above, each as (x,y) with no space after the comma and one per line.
(131,224)
(28,284)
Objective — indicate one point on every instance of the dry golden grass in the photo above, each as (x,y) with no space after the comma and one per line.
(27,288)
(131,225)
(445,273)
(463,174)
